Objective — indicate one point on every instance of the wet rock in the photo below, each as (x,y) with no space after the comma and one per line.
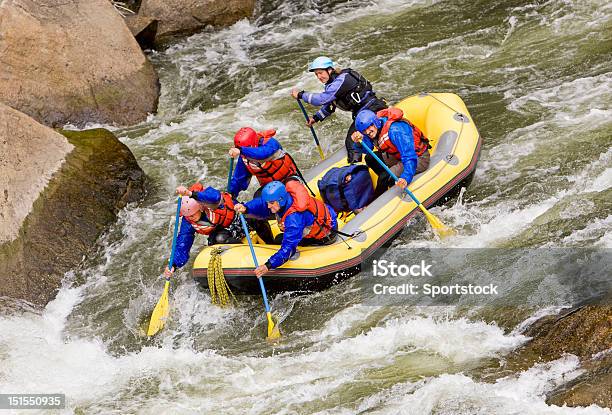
(56,211)
(584,331)
(183,17)
(593,387)
(73,61)
(143,28)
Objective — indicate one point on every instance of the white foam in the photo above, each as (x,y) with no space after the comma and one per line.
(601,182)
(495,223)
(547,311)
(458,394)
(575,95)
(46,327)
(512,20)
(489,222)
(602,354)
(460,340)
(417,49)
(345,319)
(36,363)
(597,232)
(596,174)
(437,50)
(606,240)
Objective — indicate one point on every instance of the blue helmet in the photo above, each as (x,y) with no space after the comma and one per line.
(211,196)
(365,118)
(275,192)
(322,62)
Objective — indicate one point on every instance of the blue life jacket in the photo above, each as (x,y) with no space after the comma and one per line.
(343,195)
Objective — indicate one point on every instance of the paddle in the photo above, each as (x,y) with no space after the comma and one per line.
(273,331)
(160,312)
(441,229)
(311,129)
(229,175)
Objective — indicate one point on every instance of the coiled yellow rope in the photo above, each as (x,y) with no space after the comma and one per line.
(219,290)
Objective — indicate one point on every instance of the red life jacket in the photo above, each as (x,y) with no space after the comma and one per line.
(279,166)
(302,201)
(224,214)
(202,227)
(421,144)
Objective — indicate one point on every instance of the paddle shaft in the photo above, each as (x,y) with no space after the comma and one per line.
(261,283)
(229,175)
(160,312)
(176,226)
(314,135)
(382,163)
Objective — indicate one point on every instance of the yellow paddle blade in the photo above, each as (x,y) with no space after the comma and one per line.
(160,312)
(321,153)
(439,228)
(273,331)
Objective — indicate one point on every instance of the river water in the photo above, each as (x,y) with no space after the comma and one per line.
(537,79)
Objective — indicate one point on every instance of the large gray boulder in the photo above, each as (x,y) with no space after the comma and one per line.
(182,17)
(73,61)
(30,154)
(59,193)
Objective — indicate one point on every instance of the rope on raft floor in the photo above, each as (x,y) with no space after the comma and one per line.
(219,289)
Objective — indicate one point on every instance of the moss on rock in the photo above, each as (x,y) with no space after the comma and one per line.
(99,177)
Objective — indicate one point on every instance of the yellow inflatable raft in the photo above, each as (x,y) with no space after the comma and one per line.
(455,142)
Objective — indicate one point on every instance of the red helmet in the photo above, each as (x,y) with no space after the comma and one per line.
(246,137)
